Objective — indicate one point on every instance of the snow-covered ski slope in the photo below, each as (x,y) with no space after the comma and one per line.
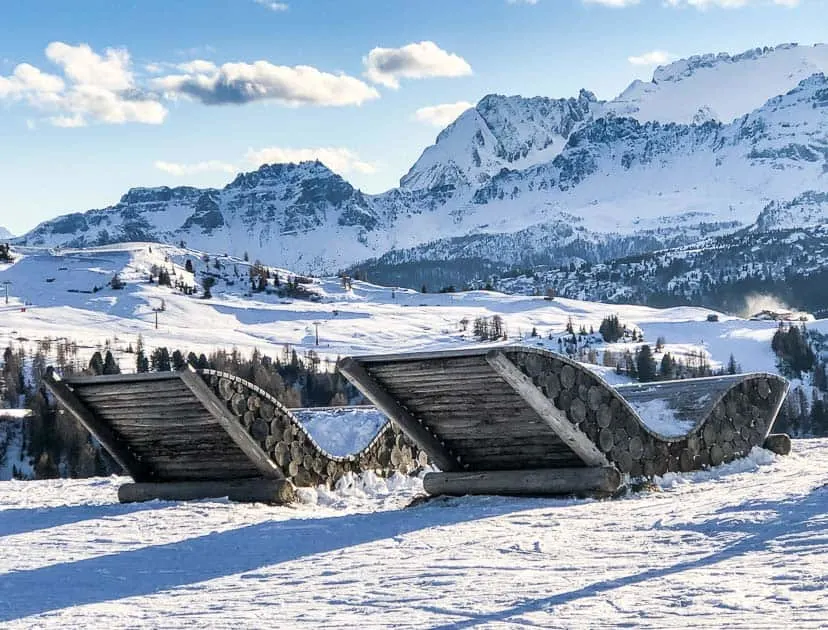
(744,545)
(47,301)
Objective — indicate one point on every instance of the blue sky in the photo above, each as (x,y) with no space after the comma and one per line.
(99,96)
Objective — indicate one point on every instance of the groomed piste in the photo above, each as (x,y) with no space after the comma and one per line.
(508,420)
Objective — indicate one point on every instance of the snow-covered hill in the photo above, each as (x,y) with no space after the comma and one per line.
(517,180)
(5,234)
(68,295)
(743,545)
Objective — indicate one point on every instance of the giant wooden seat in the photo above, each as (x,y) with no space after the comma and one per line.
(518,420)
(188,435)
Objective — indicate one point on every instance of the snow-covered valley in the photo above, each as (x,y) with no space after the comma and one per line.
(52,297)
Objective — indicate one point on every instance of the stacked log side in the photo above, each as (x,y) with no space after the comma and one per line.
(294,451)
(737,423)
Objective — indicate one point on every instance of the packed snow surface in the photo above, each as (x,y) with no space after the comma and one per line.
(15,413)
(342,431)
(743,545)
(660,417)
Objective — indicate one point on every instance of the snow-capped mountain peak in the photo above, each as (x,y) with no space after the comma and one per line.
(500,132)
(727,86)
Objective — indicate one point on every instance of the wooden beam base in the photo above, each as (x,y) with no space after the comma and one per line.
(544,482)
(779,443)
(273,491)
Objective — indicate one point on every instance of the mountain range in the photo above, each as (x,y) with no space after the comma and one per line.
(713,145)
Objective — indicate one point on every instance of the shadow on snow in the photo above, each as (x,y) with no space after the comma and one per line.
(161,567)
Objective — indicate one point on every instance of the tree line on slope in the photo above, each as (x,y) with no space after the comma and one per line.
(801,355)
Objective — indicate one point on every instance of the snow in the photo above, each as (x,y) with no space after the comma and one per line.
(342,431)
(743,545)
(367,319)
(14,414)
(661,418)
(679,90)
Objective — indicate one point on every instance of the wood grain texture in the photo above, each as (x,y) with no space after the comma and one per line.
(543,482)
(412,427)
(110,440)
(272,491)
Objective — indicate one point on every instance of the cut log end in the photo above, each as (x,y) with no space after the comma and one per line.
(779,443)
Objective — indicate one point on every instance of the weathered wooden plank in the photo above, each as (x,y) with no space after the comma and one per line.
(230,424)
(195,460)
(557,420)
(122,378)
(436,366)
(505,411)
(107,395)
(549,441)
(431,377)
(99,429)
(458,390)
(277,492)
(487,430)
(517,454)
(476,377)
(126,424)
(497,462)
(422,356)
(192,462)
(135,429)
(138,411)
(164,388)
(541,482)
(391,408)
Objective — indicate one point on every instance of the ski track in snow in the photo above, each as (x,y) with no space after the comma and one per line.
(744,545)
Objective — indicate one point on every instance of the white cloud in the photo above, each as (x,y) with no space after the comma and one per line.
(28,82)
(179,170)
(84,66)
(239,83)
(615,4)
(197,66)
(94,87)
(338,159)
(68,122)
(521,1)
(386,66)
(273,6)
(102,87)
(441,115)
(651,58)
